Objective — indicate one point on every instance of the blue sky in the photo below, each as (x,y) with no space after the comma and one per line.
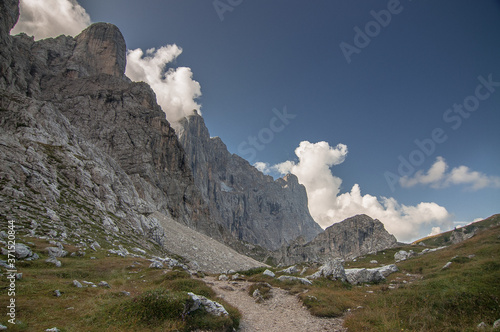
(410,67)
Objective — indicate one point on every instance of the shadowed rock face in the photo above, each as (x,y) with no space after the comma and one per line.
(251,205)
(353,237)
(10,15)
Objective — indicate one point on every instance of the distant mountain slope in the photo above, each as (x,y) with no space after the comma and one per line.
(353,237)
(460,234)
(251,205)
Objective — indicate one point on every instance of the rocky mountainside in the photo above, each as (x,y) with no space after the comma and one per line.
(84,149)
(353,237)
(86,152)
(82,146)
(251,205)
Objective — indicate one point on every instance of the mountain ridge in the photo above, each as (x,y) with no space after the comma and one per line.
(86,150)
(252,206)
(355,236)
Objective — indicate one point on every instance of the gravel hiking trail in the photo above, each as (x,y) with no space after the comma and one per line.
(282,312)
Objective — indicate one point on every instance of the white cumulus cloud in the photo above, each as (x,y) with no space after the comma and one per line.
(175,88)
(327,205)
(51,18)
(435,231)
(263,167)
(438,177)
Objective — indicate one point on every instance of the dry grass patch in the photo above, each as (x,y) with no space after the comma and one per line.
(107,309)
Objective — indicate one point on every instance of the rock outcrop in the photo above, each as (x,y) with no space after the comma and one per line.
(251,205)
(333,269)
(353,237)
(83,149)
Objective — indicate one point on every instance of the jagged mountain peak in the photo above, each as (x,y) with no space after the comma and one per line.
(101,49)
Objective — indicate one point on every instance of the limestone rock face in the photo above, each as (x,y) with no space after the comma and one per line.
(99,49)
(355,236)
(251,205)
(333,269)
(84,144)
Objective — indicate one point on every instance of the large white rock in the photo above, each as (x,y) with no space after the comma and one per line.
(212,307)
(358,276)
(332,269)
(269,273)
(292,278)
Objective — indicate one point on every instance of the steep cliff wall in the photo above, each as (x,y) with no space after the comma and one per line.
(80,142)
(251,205)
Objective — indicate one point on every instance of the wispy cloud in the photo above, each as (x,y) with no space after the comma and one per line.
(438,177)
(175,88)
(327,205)
(51,18)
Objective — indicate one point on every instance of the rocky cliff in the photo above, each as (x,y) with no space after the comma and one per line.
(85,151)
(81,145)
(353,237)
(251,205)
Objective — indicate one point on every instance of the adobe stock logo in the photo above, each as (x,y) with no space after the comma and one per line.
(222,6)
(249,148)
(453,116)
(363,37)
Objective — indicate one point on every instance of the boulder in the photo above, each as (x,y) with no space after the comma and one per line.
(139,250)
(332,269)
(89,283)
(103,284)
(387,269)
(95,246)
(156,265)
(77,284)
(292,278)
(238,276)
(54,261)
(291,270)
(212,307)
(482,326)
(257,296)
(403,255)
(269,273)
(22,251)
(358,276)
(446,266)
(56,252)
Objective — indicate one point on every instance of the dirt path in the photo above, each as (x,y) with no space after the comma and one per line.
(283,312)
